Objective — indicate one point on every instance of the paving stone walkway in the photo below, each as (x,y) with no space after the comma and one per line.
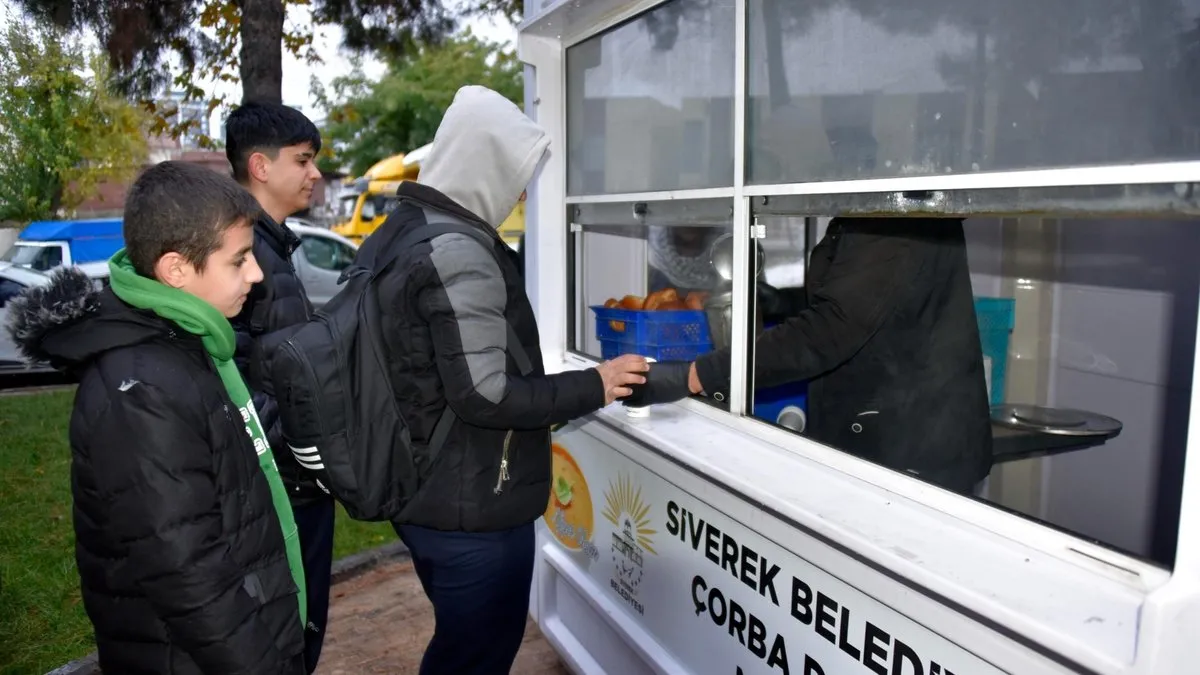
(381,621)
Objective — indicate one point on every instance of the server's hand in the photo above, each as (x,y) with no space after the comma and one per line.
(666,382)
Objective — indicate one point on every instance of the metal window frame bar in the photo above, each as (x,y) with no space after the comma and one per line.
(739,347)
(1118,174)
(656,196)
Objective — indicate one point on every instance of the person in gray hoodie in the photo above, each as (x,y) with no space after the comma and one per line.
(461,338)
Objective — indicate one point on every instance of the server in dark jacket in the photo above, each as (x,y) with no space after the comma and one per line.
(452,304)
(272,149)
(890,345)
(179,528)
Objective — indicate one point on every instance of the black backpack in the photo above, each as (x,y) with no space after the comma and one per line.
(337,408)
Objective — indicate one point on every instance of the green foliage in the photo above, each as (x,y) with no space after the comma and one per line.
(367,121)
(512,10)
(63,131)
(232,40)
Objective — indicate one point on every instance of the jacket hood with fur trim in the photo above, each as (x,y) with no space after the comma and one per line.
(68,323)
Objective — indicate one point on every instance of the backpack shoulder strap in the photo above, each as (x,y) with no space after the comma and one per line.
(435,227)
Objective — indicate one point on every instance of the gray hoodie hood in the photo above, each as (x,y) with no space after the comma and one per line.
(484,154)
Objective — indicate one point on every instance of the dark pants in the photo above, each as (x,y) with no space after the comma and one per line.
(315,523)
(479,585)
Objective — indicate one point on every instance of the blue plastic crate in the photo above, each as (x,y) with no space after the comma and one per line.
(611,349)
(670,335)
(996,320)
(668,327)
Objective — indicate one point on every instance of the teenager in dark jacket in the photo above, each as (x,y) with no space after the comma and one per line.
(179,523)
(890,346)
(450,302)
(272,149)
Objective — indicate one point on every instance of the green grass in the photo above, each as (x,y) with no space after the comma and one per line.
(41,613)
(42,621)
(352,536)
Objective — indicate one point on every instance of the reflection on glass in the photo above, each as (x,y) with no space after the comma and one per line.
(884,334)
(843,89)
(681,258)
(650,103)
(1102,314)
(644,291)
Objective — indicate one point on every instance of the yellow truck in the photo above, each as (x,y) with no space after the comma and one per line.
(374,196)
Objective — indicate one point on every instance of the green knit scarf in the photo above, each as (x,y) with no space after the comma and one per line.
(202,319)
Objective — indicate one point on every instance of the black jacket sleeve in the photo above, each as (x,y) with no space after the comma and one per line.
(847,307)
(252,356)
(463,299)
(164,507)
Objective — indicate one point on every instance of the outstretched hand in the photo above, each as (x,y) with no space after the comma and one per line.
(620,374)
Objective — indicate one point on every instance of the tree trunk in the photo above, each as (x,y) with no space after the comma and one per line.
(55,191)
(262,51)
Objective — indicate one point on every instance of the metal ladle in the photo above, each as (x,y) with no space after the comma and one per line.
(719,306)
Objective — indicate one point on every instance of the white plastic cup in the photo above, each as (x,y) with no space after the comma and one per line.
(793,418)
(643,411)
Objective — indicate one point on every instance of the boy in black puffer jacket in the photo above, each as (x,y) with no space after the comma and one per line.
(272,149)
(185,542)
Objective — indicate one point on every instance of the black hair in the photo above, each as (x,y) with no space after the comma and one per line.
(266,128)
(183,208)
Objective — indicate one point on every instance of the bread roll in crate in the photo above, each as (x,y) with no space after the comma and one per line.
(662,326)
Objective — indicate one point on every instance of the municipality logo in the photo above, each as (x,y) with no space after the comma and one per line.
(632,538)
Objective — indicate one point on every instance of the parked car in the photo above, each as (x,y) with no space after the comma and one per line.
(14,279)
(320,259)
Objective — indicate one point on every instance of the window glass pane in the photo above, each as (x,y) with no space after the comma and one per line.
(897,340)
(48,258)
(385,204)
(842,89)
(653,261)
(343,255)
(323,253)
(650,103)
(41,258)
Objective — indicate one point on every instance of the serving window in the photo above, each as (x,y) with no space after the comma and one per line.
(1075,332)
(1081,326)
(644,277)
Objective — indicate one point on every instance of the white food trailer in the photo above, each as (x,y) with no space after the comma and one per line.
(714,537)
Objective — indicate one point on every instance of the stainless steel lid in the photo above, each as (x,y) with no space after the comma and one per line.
(721,255)
(1057,421)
